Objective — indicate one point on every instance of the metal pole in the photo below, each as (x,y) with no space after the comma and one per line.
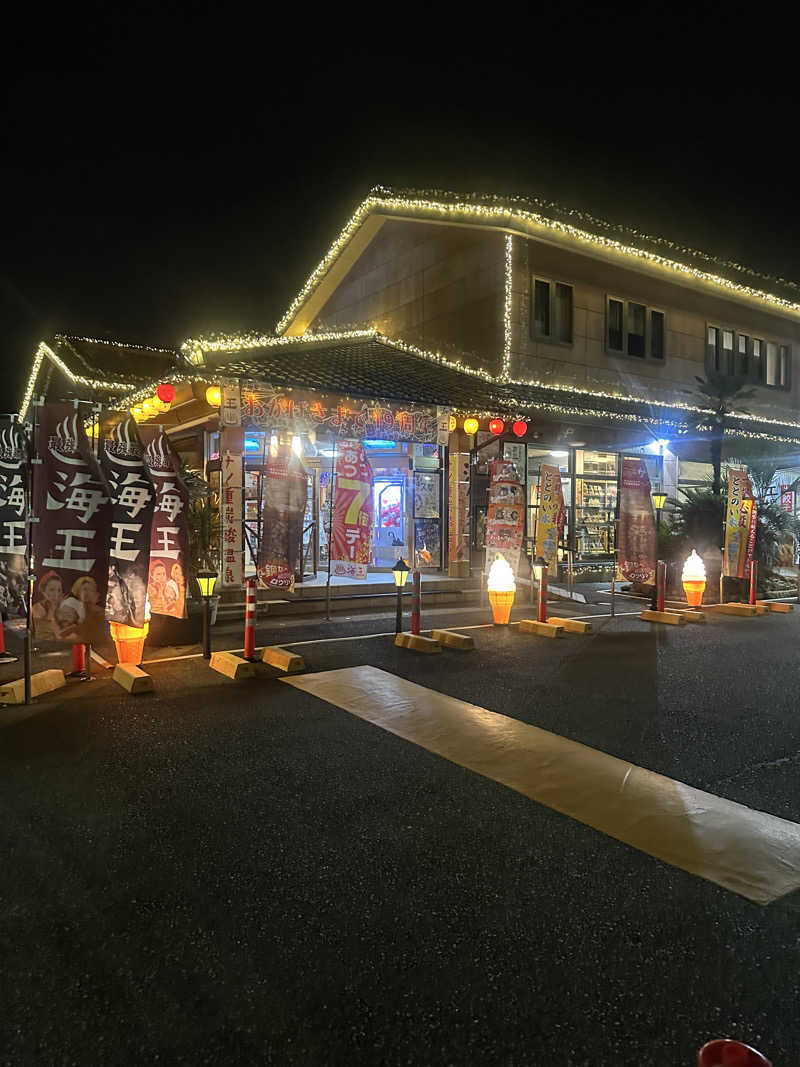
(570,575)
(613,588)
(398,622)
(543,595)
(416,603)
(206,630)
(330,532)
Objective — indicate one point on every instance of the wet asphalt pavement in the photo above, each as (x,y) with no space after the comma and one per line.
(238,873)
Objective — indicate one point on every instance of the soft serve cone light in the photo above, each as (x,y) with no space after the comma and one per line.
(694,580)
(501,590)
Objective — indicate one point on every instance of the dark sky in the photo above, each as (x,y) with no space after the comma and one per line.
(154,208)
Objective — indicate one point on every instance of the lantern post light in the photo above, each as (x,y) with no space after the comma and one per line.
(502,587)
(206,580)
(400,571)
(694,580)
(659,498)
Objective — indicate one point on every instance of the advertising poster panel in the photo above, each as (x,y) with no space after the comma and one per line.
(637,542)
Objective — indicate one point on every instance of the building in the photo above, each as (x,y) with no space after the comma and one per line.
(583,338)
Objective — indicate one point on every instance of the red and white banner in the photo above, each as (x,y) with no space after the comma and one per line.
(505,521)
(637,544)
(284,495)
(169,536)
(352,512)
(787,498)
(72,503)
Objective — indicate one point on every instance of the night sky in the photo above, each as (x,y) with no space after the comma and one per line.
(151,209)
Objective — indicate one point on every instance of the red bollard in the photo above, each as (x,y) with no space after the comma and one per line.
(753,581)
(79,659)
(416,603)
(661,581)
(543,595)
(250,619)
(726,1053)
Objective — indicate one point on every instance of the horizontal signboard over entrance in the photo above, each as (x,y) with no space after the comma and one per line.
(303,410)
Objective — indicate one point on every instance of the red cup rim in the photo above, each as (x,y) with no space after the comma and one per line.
(719,1043)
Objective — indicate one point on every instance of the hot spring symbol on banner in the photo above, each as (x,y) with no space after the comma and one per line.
(121,456)
(72,502)
(169,537)
(353,512)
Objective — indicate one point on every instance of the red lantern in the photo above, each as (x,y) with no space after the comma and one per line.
(496,426)
(166,392)
(520,428)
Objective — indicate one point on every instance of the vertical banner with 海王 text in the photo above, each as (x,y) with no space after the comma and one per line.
(72,506)
(552,514)
(169,537)
(637,544)
(352,512)
(121,458)
(13,516)
(284,492)
(505,520)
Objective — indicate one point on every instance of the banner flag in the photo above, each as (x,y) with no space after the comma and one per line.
(505,519)
(14,467)
(637,542)
(552,515)
(353,512)
(231,518)
(121,458)
(283,503)
(739,520)
(72,503)
(169,534)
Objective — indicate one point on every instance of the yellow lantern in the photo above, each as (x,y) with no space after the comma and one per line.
(471,426)
(694,580)
(502,588)
(213,396)
(147,406)
(452,424)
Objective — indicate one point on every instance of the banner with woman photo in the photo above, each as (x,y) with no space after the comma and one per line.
(169,534)
(72,513)
(283,502)
(121,457)
(13,517)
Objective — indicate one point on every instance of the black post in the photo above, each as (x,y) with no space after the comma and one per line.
(398,627)
(206,630)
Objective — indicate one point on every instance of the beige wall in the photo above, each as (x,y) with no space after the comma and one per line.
(586,364)
(439,287)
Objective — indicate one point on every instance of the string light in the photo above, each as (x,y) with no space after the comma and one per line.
(383,200)
(507,306)
(44,350)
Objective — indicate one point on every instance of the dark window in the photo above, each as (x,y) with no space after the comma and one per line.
(783,371)
(615,311)
(758,360)
(541,309)
(563,313)
(726,362)
(657,334)
(773,369)
(637,318)
(743,343)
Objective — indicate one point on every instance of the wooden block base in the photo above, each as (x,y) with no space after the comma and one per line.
(417,643)
(693,616)
(671,618)
(781,609)
(453,640)
(745,611)
(572,626)
(231,666)
(541,629)
(133,679)
(283,660)
(41,682)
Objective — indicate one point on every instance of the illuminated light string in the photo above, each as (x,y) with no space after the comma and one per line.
(510,215)
(242,342)
(114,344)
(78,379)
(507,306)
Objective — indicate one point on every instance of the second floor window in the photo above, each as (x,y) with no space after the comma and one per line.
(552,311)
(633,329)
(731,353)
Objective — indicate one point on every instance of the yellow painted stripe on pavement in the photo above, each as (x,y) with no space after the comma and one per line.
(749,852)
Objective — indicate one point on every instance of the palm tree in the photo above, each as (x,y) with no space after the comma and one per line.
(719,393)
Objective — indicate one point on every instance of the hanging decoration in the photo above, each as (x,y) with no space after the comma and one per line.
(471,426)
(72,503)
(169,535)
(166,392)
(353,512)
(496,426)
(213,396)
(519,427)
(14,468)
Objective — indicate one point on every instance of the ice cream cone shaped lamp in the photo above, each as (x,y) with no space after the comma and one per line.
(501,590)
(694,580)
